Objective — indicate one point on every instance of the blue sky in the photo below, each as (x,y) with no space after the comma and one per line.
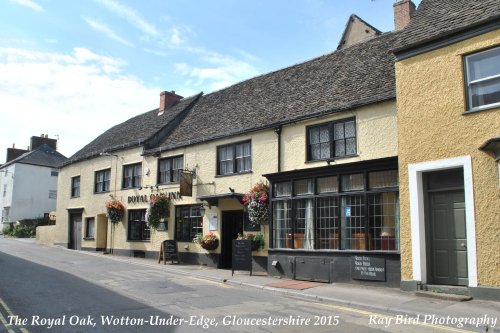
(72,69)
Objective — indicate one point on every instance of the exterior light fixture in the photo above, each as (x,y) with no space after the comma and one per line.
(202,210)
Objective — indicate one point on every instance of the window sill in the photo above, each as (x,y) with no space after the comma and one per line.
(103,192)
(332,160)
(130,188)
(88,238)
(138,241)
(336,251)
(482,108)
(234,174)
(76,197)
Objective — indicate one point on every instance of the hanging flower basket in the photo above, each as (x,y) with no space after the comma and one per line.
(115,210)
(257,203)
(158,210)
(208,242)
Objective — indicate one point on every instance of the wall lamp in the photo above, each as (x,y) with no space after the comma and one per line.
(202,209)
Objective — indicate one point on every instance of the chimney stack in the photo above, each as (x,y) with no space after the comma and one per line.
(37,141)
(403,12)
(13,153)
(167,99)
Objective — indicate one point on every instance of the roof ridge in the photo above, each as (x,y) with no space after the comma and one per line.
(383,34)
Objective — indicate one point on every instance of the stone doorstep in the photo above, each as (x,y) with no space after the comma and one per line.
(443,296)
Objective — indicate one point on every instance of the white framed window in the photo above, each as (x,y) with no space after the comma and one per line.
(482,72)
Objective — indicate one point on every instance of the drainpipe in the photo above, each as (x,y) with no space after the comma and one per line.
(277,130)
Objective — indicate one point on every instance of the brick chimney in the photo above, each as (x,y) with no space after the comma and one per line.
(403,12)
(167,99)
(13,153)
(37,141)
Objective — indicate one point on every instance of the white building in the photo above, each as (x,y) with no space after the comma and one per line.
(28,183)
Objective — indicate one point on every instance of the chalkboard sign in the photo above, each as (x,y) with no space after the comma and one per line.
(168,250)
(242,255)
(368,268)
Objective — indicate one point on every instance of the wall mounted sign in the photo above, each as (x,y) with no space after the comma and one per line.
(348,211)
(186,184)
(212,222)
(133,199)
(368,268)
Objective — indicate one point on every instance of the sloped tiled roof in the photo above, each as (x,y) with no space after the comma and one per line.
(43,155)
(358,75)
(134,132)
(439,19)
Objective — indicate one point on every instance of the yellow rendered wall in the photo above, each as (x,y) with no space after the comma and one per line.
(376,131)
(432,126)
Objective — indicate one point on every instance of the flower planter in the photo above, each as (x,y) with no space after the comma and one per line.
(210,245)
(255,245)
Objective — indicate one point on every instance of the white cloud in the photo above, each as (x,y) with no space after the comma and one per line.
(76,96)
(220,72)
(107,31)
(28,3)
(131,15)
(175,37)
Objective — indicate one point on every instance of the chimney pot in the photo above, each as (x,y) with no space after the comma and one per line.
(403,12)
(167,99)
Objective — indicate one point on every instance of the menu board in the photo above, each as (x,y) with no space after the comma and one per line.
(242,255)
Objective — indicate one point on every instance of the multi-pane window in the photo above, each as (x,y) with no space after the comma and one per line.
(234,158)
(132,175)
(102,181)
(170,169)
(483,79)
(188,223)
(331,140)
(138,229)
(90,227)
(337,212)
(75,186)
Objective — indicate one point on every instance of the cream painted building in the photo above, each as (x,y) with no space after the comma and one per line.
(449,125)
(327,145)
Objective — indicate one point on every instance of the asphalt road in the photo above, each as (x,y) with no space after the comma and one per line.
(45,289)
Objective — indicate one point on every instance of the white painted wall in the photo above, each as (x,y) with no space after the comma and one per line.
(28,188)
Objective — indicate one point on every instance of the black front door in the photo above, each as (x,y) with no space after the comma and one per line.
(232,224)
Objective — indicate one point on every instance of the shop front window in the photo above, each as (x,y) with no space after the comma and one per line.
(338,212)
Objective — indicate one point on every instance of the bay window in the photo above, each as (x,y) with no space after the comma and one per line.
(358,211)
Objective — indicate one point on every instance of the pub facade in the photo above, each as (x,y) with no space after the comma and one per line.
(326,145)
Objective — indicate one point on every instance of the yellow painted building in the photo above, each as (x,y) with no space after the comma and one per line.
(448,101)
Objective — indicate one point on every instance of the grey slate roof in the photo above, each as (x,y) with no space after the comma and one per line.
(439,19)
(358,75)
(134,132)
(43,155)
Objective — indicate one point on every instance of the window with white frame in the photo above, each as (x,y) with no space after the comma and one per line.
(102,181)
(132,175)
(169,169)
(234,158)
(483,79)
(75,186)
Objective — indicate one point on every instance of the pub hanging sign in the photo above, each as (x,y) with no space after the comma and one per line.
(135,199)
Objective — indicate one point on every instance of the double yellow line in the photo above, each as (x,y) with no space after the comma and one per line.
(11,314)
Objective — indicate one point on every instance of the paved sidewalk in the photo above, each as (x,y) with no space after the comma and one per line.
(380,300)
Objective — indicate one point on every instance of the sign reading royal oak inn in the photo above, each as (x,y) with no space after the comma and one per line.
(133,199)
